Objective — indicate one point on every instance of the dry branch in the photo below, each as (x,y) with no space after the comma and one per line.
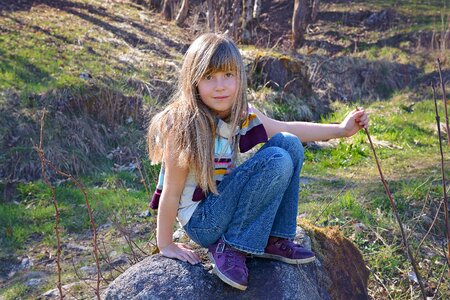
(55,204)
(394,209)
(443,99)
(447,229)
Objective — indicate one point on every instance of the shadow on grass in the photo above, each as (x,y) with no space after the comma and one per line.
(22,71)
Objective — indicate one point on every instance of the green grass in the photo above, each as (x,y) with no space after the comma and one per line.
(347,189)
(39,51)
(117,193)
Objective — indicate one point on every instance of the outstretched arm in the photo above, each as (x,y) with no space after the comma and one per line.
(308,132)
(174,180)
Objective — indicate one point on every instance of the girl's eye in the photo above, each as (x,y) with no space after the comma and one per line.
(208,77)
(229,75)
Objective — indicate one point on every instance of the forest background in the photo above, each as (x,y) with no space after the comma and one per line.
(80,79)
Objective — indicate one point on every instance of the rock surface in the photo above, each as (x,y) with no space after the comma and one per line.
(157,277)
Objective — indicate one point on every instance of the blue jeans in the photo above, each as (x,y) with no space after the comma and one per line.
(256,200)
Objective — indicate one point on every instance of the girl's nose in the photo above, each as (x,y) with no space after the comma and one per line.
(220,84)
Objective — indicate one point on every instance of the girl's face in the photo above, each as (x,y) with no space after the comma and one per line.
(218,91)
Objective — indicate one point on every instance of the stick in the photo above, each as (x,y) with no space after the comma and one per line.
(91,218)
(55,204)
(394,209)
(447,229)
(443,99)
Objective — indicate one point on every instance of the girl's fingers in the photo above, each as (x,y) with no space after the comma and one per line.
(190,257)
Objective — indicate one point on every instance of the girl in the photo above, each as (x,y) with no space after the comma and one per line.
(232,210)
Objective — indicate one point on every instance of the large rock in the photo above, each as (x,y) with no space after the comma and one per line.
(157,277)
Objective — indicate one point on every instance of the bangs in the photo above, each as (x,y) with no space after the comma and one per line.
(224,59)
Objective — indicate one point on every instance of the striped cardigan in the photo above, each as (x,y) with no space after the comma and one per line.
(251,133)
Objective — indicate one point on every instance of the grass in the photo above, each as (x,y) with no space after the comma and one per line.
(39,53)
(347,190)
(33,215)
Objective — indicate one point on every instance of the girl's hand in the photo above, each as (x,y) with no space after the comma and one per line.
(354,121)
(180,251)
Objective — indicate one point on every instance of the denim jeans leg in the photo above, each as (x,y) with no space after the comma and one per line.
(285,222)
(245,209)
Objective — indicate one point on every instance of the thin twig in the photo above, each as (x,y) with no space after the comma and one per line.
(440,280)
(334,198)
(431,226)
(55,204)
(394,209)
(381,282)
(91,218)
(144,181)
(125,235)
(447,228)
(108,261)
(421,211)
(443,99)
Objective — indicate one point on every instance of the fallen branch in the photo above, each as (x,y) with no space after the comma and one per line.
(394,209)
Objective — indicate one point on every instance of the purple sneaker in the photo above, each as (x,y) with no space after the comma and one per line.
(229,264)
(287,251)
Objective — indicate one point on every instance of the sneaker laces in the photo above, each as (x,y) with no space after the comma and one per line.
(234,258)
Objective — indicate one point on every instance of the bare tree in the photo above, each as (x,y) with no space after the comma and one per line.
(210,15)
(314,10)
(236,12)
(257,10)
(167,9)
(305,12)
(183,13)
(247,16)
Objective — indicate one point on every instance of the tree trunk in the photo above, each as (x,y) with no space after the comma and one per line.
(246,34)
(314,10)
(299,22)
(257,10)
(210,15)
(183,13)
(236,14)
(167,10)
(155,4)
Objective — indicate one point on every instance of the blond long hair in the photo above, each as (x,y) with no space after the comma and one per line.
(188,121)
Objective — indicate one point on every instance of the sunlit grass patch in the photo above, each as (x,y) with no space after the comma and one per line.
(119,193)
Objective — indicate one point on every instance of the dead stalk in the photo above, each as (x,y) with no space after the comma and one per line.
(440,281)
(381,282)
(144,181)
(447,228)
(421,212)
(134,256)
(443,99)
(394,209)
(91,218)
(331,201)
(55,204)
(431,226)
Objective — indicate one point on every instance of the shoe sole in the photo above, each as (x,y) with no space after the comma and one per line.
(225,278)
(287,260)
